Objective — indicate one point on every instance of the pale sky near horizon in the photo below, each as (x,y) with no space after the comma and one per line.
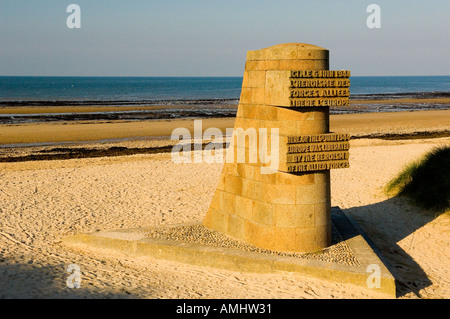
(211,38)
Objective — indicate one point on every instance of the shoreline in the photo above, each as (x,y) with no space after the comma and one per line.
(92,108)
(62,109)
(381,124)
(65,112)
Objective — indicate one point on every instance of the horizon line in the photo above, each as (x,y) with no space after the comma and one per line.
(188,76)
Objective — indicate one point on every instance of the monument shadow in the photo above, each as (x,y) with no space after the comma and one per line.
(388,231)
(28,281)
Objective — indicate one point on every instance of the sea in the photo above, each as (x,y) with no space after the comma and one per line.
(186,97)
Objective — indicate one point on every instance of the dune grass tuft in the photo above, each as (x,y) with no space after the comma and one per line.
(426,181)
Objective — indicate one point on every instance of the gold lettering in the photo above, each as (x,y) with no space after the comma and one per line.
(311,101)
(320,74)
(317,166)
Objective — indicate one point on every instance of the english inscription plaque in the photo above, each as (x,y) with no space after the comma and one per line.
(317,152)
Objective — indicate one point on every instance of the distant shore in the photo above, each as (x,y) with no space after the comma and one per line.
(27,112)
(61,108)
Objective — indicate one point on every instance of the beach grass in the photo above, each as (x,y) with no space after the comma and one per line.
(426,181)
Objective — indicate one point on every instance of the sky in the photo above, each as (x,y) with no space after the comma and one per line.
(211,38)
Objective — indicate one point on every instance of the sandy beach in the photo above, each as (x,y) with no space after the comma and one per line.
(44,201)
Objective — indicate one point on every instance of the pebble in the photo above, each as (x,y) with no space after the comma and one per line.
(338,252)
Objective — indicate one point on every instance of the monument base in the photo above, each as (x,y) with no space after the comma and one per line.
(352,259)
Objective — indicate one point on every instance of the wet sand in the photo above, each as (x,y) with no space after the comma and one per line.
(363,124)
(121,108)
(402,100)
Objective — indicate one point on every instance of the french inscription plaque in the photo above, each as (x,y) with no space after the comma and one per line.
(319,88)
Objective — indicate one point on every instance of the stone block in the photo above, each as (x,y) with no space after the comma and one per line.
(230,169)
(303,65)
(277,90)
(221,183)
(313,239)
(266,178)
(233,184)
(284,127)
(227,203)
(279,193)
(311,194)
(267,112)
(258,95)
(290,114)
(251,112)
(216,220)
(322,214)
(235,227)
(263,213)
(256,79)
(312,127)
(244,207)
(258,234)
(246,95)
(262,65)
(246,155)
(215,202)
(251,189)
(241,110)
(245,80)
(208,221)
(294,216)
(295,179)
(285,239)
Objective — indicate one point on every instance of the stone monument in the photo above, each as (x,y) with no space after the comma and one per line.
(286,87)
(285,207)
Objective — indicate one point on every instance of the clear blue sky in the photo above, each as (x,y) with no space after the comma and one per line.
(211,37)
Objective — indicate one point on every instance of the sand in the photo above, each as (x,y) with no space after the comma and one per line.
(94,131)
(355,124)
(366,124)
(44,201)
